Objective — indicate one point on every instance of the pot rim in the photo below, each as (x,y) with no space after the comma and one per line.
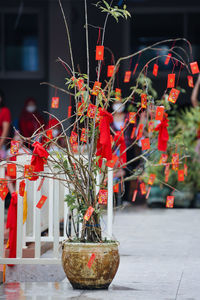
(90,244)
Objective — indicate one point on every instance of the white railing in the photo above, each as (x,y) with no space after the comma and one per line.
(47,218)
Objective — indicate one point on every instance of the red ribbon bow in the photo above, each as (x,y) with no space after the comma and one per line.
(120,141)
(39,154)
(163,135)
(104,143)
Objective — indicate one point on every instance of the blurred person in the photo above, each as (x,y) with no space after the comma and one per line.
(195,93)
(30,119)
(53,130)
(5,120)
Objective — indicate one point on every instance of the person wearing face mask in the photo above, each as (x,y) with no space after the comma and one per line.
(5,120)
(30,119)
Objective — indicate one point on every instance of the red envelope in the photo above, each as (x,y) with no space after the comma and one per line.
(194,67)
(143,100)
(110,70)
(132,117)
(170,202)
(50,134)
(41,202)
(41,184)
(145,144)
(3,193)
(99,52)
(55,102)
(166,177)
(96,88)
(22,188)
(168,58)
(111,163)
(81,107)
(83,135)
(69,111)
(73,137)
(140,132)
(159,113)
(127,76)
(88,213)
(14,147)
(91,260)
(152,178)
(103,197)
(118,94)
(163,158)
(180,175)
(155,70)
(11,170)
(171,80)
(151,126)
(190,81)
(175,161)
(173,96)
(91,111)
(134,195)
(116,188)
(143,188)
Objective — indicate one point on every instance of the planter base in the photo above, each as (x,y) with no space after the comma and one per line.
(78,286)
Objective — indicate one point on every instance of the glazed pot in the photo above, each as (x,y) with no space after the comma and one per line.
(97,275)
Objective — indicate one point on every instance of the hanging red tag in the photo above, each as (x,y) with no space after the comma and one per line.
(135,69)
(110,70)
(171,80)
(88,213)
(80,84)
(163,158)
(14,148)
(148,192)
(145,144)
(91,260)
(173,95)
(194,67)
(99,52)
(168,58)
(118,94)
(155,70)
(185,170)
(152,178)
(69,111)
(143,188)
(91,111)
(180,175)
(132,117)
(140,131)
(134,196)
(127,76)
(96,88)
(22,188)
(28,171)
(103,197)
(111,163)
(116,188)
(159,113)
(73,138)
(41,184)
(170,202)
(175,161)
(133,132)
(55,102)
(166,177)
(83,135)
(151,126)
(190,81)
(41,202)
(167,167)
(11,170)
(3,193)
(81,107)
(143,100)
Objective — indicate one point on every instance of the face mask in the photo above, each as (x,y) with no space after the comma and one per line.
(118,107)
(55,132)
(31,108)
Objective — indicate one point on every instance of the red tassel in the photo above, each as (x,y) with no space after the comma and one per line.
(69,111)
(163,135)
(39,154)
(120,141)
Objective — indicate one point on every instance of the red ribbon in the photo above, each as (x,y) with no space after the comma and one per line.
(163,135)
(104,143)
(12,225)
(120,141)
(39,154)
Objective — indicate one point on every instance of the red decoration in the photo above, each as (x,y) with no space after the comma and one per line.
(83,135)
(99,52)
(152,178)
(41,184)
(143,188)
(91,111)
(120,141)
(135,69)
(55,102)
(111,163)
(155,70)
(168,58)
(88,213)
(50,134)
(3,193)
(163,158)
(22,188)
(185,170)
(145,144)
(81,107)
(132,117)
(38,157)
(73,138)
(170,202)
(171,80)
(175,161)
(116,188)
(11,170)
(91,260)
(180,175)
(194,67)
(190,81)
(41,202)
(151,126)
(127,76)
(110,70)
(144,100)
(163,135)
(96,88)
(159,113)
(103,197)
(14,148)
(134,195)
(140,131)
(69,111)
(118,94)
(80,84)
(133,132)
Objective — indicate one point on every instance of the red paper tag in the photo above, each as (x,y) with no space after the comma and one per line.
(168,58)
(127,76)
(91,111)
(148,192)
(103,197)
(41,202)
(83,135)
(143,188)
(80,84)
(151,126)
(99,52)
(14,148)
(88,213)
(133,132)
(143,100)
(171,80)
(194,67)
(118,94)
(50,134)
(163,158)
(29,172)
(69,111)
(96,88)
(81,107)
(55,102)
(155,70)
(159,113)
(73,137)
(167,167)
(175,161)
(140,132)
(145,144)
(185,170)
(132,117)
(173,96)
(166,177)
(116,188)
(170,202)
(134,195)
(111,163)
(22,188)
(11,170)
(110,70)
(180,175)
(190,81)
(91,260)
(3,193)
(135,69)
(41,184)
(152,178)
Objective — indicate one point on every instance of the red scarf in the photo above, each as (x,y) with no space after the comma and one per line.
(120,141)
(163,135)
(39,154)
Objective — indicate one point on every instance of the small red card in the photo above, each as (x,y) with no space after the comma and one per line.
(132,117)
(194,67)
(111,163)
(143,100)
(166,177)
(140,132)
(127,76)
(69,111)
(88,213)
(84,135)
(3,193)
(91,260)
(118,94)
(81,107)
(91,111)
(103,197)
(159,113)
(134,196)
(152,178)
(170,202)
(175,161)
(143,188)
(11,170)
(41,184)
(190,81)
(155,70)
(55,102)
(163,158)
(173,95)
(110,70)
(29,172)
(41,202)
(171,80)
(14,149)
(50,134)
(96,88)
(116,188)
(145,144)
(22,188)
(99,52)
(151,126)
(73,137)
(180,175)
(133,132)
(168,58)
